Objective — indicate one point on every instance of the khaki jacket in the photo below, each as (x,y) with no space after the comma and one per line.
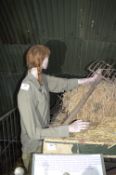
(33,104)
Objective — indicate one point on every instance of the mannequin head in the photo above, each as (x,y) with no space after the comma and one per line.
(37,59)
(36,55)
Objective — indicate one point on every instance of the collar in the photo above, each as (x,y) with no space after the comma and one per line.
(33,80)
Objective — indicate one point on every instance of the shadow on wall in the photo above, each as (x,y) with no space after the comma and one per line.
(57,56)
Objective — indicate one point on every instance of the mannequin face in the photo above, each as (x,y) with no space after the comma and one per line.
(45,63)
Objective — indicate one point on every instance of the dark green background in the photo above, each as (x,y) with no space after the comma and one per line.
(77,32)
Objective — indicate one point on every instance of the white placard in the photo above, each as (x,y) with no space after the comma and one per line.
(68,165)
(51,146)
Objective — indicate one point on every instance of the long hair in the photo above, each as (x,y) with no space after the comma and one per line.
(35,56)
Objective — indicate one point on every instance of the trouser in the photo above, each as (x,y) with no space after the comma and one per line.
(27,158)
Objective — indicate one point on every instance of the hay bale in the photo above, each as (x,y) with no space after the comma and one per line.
(100,110)
(101,104)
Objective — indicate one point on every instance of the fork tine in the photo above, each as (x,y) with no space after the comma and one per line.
(108,72)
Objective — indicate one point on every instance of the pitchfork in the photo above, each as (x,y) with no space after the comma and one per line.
(108,73)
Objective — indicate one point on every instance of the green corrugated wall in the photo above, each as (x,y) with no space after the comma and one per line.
(77,32)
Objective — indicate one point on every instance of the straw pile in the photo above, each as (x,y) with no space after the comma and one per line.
(100,110)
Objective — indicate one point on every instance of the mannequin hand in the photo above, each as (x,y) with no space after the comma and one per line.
(78,126)
(97,75)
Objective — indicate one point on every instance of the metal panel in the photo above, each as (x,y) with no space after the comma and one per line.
(77,32)
(12,68)
(74,22)
(34,21)
(12,58)
(10,146)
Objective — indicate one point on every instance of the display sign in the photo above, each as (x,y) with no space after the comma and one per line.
(45,164)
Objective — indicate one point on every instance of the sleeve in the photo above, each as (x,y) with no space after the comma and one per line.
(56,84)
(34,129)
